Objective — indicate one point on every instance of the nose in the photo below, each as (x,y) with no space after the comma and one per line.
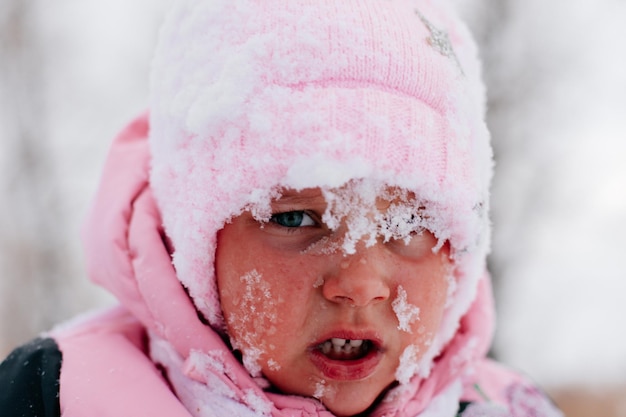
(359,279)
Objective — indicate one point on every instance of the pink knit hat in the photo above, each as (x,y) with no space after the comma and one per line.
(250,96)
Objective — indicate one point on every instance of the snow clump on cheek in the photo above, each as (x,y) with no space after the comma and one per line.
(409,364)
(253,319)
(406,313)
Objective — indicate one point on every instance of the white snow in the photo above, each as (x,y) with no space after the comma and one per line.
(409,364)
(260,406)
(406,313)
(320,389)
(248,316)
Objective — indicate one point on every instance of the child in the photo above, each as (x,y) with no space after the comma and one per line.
(298,228)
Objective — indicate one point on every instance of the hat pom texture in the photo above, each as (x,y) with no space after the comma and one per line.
(252,95)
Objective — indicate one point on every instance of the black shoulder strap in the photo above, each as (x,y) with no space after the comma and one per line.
(29,380)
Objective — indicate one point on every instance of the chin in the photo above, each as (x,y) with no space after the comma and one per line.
(344,410)
(352,404)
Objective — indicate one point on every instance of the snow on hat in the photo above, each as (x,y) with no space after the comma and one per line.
(250,96)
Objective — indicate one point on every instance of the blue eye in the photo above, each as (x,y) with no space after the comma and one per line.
(292,219)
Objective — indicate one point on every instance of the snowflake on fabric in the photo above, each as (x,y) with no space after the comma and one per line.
(523,401)
(440,40)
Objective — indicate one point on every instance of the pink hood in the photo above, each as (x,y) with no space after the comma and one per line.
(251,96)
(127,254)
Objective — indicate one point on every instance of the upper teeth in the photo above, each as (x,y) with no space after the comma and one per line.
(342,346)
(341,342)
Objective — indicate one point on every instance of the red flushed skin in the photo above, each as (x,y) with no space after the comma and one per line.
(316,296)
(347,370)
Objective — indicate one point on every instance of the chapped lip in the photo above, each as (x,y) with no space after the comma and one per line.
(343,369)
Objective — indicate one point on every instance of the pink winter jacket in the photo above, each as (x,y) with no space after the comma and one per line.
(121,362)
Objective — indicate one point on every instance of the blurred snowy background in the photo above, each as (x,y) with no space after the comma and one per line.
(73,72)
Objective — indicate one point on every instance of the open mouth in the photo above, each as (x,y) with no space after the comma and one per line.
(346,349)
(347,359)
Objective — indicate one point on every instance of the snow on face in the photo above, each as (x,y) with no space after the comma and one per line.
(308,302)
(324,391)
(407,314)
(409,364)
(371,211)
(248,341)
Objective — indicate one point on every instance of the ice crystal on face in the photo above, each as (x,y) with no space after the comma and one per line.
(324,246)
(249,320)
(323,390)
(371,211)
(408,366)
(405,312)
(320,389)
(254,286)
(273,365)
(353,205)
(319,282)
(400,222)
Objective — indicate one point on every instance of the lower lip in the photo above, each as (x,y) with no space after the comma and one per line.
(344,370)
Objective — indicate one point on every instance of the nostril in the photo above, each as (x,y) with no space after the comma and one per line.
(356,295)
(343,299)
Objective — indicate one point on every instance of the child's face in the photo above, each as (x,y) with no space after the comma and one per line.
(317,321)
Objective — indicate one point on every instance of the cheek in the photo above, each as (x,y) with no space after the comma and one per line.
(419,309)
(263,304)
(251,310)
(421,298)
(250,303)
